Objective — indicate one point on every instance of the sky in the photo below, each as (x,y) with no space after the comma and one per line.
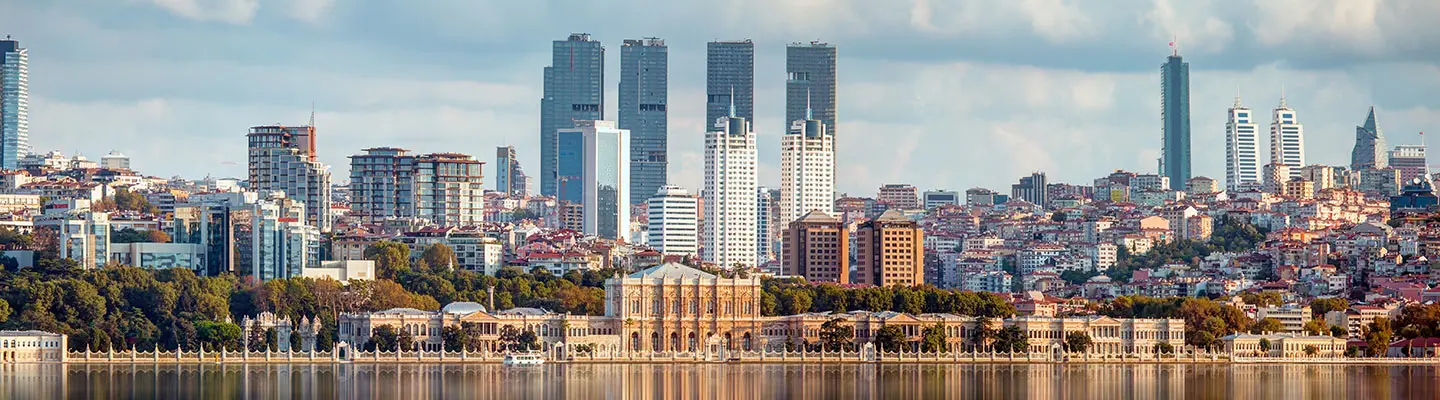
(941,94)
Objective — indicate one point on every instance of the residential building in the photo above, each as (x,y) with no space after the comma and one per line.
(1322,175)
(1299,189)
(1287,140)
(980,197)
(342,271)
(24,347)
(932,199)
(283,158)
(380,184)
(80,234)
(1175,112)
(601,154)
(899,196)
(810,83)
(644,74)
(574,90)
(1369,151)
(1032,189)
(248,234)
(509,177)
(1383,182)
(449,189)
(1242,146)
(890,251)
(1410,160)
(730,80)
(189,256)
(1200,185)
(14,103)
(766,213)
(729,196)
(817,247)
(1292,318)
(115,160)
(474,250)
(674,221)
(1275,177)
(807,171)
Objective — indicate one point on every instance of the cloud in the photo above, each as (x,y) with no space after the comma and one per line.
(228,11)
(310,10)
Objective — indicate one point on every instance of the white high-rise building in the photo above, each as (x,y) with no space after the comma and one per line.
(807,171)
(730,185)
(1287,140)
(283,159)
(673,226)
(603,152)
(1242,147)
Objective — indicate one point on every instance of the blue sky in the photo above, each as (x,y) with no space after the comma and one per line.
(938,93)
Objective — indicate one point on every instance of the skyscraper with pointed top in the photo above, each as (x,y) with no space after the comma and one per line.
(1369,149)
(574,91)
(1287,140)
(1175,116)
(807,170)
(644,75)
(14,103)
(1242,160)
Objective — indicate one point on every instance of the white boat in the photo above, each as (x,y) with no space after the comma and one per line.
(524,359)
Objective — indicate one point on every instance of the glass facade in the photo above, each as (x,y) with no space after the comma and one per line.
(570,146)
(606,176)
(14,104)
(643,111)
(574,91)
(729,68)
(810,84)
(1175,109)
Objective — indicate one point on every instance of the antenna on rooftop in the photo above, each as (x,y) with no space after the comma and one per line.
(312,114)
(1174,46)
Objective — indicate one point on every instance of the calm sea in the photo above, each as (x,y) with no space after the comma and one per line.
(721,381)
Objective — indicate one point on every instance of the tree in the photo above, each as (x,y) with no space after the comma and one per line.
(5,311)
(1266,325)
(1339,331)
(890,338)
(1320,307)
(1059,216)
(439,256)
(1316,327)
(836,334)
(1265,346)
(1164,348)
(794,301)
(216,335)
(382,338)
(1377,337)
(509,336)
(934,339)
(1310,350)
(984,333)
(390,258)
(528,340)
(1078,341)
(1012,339)
(405,341)
(157,236)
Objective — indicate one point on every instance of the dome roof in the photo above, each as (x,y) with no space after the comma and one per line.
(463,307)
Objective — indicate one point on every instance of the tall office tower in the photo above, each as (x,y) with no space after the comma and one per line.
(674,223)
(1032,189)
(810,83)
(14,103)
(729,80)
(644,66)
(509,178)
(1409,159)
(1369,151)
(1175,108)
(1242,146)
(602,154)
(765,202)
(283,158)
(891,251)
(899,196)
(807,171)
(380,184)
(574,91)
(817,247)
(449,189)
(730,187)
(1287,139)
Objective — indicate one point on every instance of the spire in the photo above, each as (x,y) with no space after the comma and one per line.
(312,114)
(1282,96)
(1237,102)
(1174,46)
(732,101)
(809,112)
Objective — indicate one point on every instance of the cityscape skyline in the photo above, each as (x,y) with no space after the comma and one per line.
(1048,134)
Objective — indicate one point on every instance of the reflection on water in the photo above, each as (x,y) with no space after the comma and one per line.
(719,381)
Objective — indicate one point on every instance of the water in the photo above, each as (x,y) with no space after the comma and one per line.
(720,381)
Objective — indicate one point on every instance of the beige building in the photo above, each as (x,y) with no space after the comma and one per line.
(1283,345)
(891,251)
(32,347)
(817,247)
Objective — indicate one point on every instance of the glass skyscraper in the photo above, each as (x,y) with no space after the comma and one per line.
(602,153)
(729,69)
(574,91)
(1369,151)
(810,84)
(509,178)
(14,103)
(644,70)
(1175,108)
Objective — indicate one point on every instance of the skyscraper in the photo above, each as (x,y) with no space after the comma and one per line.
(730,194)
(1369,149)
(730,80)
(603,187)
(1287,140)
(574,91)
(283,158)
(449,189)
(673,226)
(509,178)
(810,83)
(644,66)
(1175,108)
(14,103)
(807,171)
(1242,162)
(380,184)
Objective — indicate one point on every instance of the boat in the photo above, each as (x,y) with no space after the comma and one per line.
(524,359)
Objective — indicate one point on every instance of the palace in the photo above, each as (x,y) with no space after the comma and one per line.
(676,308)
(32,346)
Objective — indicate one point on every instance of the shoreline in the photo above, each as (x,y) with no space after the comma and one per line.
(807,361)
